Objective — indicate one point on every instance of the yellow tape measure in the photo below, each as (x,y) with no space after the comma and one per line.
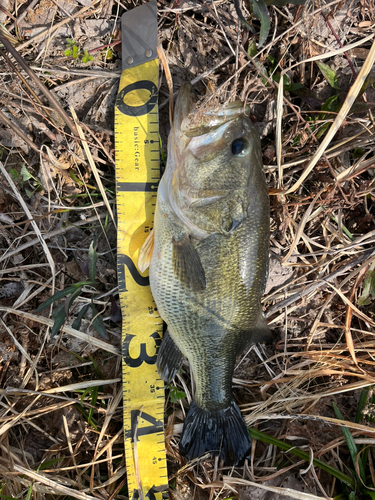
(137,176)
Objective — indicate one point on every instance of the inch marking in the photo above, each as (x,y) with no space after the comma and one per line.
(143,356)
(124,260)
(156,426)
(137,169)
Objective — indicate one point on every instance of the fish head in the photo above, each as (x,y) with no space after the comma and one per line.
(214,163)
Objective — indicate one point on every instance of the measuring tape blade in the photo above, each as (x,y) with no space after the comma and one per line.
(137,176)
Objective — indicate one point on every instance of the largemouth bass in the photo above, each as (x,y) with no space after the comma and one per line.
(208,257)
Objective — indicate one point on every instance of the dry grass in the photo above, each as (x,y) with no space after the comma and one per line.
(60,399)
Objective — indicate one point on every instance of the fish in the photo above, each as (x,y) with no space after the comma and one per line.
(208,258)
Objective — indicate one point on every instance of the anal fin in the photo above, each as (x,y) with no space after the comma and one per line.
(169,359)
(187,264)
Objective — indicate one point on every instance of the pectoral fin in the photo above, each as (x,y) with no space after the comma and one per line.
(145,254)
(187,264)
(169,359)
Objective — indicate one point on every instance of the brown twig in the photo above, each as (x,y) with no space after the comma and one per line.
(24,81)
(349,315)
(311,288)
(20,134)
(340,44)
(24,14)
(52,100)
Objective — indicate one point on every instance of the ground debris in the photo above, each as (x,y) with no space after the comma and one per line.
(322,239)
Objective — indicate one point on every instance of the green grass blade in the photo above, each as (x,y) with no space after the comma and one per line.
(77,322)
(56,311)
(163,156)
(84,394)
(345,229)
(98,323)
(83,283)
(69,301)
(59,321)
(30,491)
(361,404)
(242,19)
(353,450)
(96,368)
(260,10)
(48,464)
(261,436)
(56,296)
(86,416)
(94,398)
(93,257)
(329,74)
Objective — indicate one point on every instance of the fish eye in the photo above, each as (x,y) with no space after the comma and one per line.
(239,147)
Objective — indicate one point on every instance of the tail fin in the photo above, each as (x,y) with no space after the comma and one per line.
(223,433)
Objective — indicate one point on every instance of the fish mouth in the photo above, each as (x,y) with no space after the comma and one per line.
(184,105)
(193,122)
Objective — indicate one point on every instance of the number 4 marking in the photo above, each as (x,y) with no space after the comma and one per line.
(152,492)
(156,425)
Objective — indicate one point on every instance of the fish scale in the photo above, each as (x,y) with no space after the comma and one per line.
(224,305)
(209,265)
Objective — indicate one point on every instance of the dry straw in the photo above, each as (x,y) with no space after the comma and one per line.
(347,105)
